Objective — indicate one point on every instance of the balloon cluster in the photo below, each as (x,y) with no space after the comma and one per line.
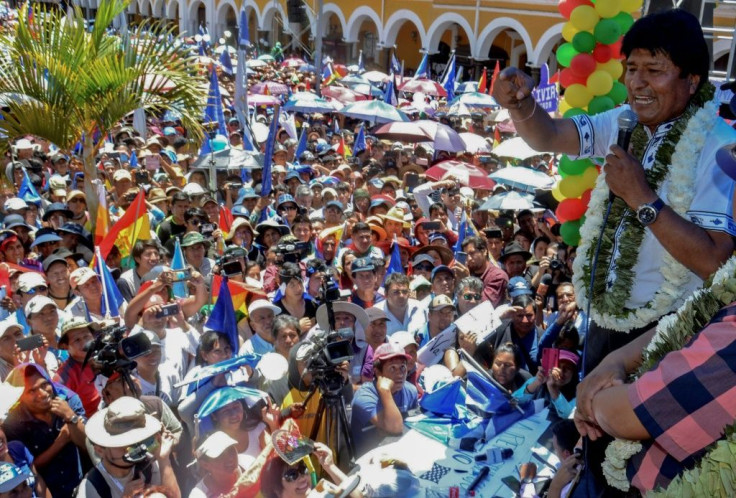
(591,57)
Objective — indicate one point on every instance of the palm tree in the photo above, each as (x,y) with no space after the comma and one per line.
(66,84)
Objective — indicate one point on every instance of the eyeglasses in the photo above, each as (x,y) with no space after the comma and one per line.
(36,290)
(472,297)
(294,473)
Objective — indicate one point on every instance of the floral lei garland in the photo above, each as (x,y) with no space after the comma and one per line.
(674,162)
(715,474)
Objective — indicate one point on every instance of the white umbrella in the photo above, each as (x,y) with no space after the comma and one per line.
(458,109)
(475,143)
(500,116)
(508,201)
(254,63)
(517,148)
(522,178)
(375,76)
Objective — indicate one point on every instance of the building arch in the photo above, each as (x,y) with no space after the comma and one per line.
(493,29)
(546,43)
(144,8)
(332,8)
(360,15)
(269,11)
(396,21)
(173,9)
(441,24)
(158,9)
(221,16)
(721,48)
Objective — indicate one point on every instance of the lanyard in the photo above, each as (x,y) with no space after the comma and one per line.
(104,471)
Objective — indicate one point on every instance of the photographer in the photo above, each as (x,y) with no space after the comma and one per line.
(133,451)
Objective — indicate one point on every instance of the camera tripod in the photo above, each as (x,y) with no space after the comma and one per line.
(331,408)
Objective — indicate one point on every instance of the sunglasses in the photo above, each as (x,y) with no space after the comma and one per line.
(294,473)
(37,289)
(472,297)
(289,208)
(424,267)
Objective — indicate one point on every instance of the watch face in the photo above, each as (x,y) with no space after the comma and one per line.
(647,215)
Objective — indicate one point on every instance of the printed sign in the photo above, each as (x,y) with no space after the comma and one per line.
(546,93)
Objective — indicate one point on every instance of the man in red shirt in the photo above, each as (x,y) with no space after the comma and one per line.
(75,334)
(494,279)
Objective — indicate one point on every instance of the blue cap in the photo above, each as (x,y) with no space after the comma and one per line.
(441,268)
(362,264)
(247,193)
(74,228)
(434,237)
(15,220)
(240,210)
(336,204)
(169,130)
(377,182)
(12,476)
(293,174)
(518,286)
(285,198)
(45,237)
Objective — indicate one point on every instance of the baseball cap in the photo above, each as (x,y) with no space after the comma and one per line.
(403,338)
(422,258)
(15,204)
(121,174)
(389,350)
(441,268)
(215,445)
(418,282)
(518,286)
(30,280)
(569,356)
(376,314)
(81,276)
(75,322)
(362,264)
(37,304)
(11,476)
(260,304)
(440,302)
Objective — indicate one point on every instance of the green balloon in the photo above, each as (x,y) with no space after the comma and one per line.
(583,42)
(573,112)
(570,232)
(565,54)
(572,166)
(607,31)
(624,20)
(618,93)
(600,104)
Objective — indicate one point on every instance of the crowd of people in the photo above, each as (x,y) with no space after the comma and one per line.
(343,248)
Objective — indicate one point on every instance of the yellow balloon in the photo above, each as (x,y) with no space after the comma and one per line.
(557,194)
(564,106)
(612,67)
(599,83)
(584,18)
(577,95)
(572,186)
(588,178)
(631,5)
(569,31)
(607,8)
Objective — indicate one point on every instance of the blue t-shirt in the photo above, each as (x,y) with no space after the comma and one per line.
(366,404)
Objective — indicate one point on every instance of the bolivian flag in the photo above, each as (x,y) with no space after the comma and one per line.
(130,228)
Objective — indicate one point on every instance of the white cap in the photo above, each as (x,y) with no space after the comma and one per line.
(260,304)
(15,204)
(80,276)
(193,189)
(121,174)
(37,304)
(29,280)
(215,445)
(403,338)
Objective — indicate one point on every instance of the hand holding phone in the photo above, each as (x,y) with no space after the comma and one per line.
(550,359)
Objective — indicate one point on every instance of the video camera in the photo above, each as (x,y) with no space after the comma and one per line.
(110,351)
(292,252)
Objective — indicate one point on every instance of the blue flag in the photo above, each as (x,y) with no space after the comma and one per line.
(359,143)
(302,145)
(461,234)
(423,69)
(448,83)
(361,64)
(213,111)
(177,263)
(243,34)
(226,62)
(394,265)
(395,64)
(389,96)
(268,159)
(206,373)
(112,300)
(133,159)
(27,191)
(223,318)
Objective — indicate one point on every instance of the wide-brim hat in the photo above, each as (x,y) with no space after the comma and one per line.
(445,253)
(237,223)
(123,423)
(514,248)
(194,238)
(361,317)
(394,214)
(265,225)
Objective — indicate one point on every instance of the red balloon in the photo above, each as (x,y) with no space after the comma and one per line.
(602,53)
(585,198)
(616,48)
(567,6)
(570,209)
(567,78)
(582,65)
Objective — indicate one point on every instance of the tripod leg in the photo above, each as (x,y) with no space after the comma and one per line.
(346,428)
(317,419)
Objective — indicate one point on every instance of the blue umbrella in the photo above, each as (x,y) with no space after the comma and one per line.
(307,68)
(310,105)
(373,111)
(223,397)
(364,88)
(475,99)
(466,87)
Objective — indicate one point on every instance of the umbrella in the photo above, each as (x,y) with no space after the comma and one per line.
(311,105)
(475,143)
(230,159)
(511,201)
(354,78)
(375,76)
(157,82)
(475,99)
(255,63)
(373,111)
(342,94)
(522,178)
(517,148)
(364,89)
(274,88)
(458,109)
(506,127)
(259,99)
(500,115)
(467,87)
(266,58)
(293,62)
(442,136)
(423,85)
(467,174)
(306,68)
(223,397)
(221,48)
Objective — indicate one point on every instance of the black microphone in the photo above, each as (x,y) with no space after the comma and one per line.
(627,121)
(726,159)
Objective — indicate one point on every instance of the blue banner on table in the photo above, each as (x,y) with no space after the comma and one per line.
(266,182)
(546,93)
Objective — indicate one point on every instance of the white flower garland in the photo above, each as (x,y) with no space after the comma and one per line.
(680,180)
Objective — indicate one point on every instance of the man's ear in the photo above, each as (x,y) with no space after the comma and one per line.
(693,81)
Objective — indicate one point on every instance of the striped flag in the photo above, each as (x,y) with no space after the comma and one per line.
(130,228)
(483,83)
(103,215)
(496,70)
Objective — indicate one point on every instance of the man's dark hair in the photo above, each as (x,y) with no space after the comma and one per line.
(361,227)
(180,142)
(523,301)
(476,241)
(437,207)
(179,197)
(290,271)
(566,433)
(396,279)
(140,247)
(676,33)
(301,218)
(342,187)
(524,212)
